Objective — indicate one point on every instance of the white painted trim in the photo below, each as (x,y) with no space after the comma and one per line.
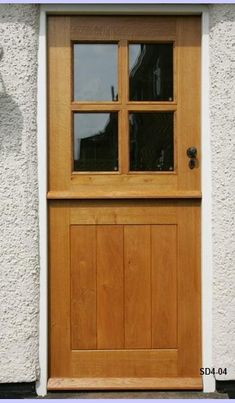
(42,188)
(208,381)
(164,9)
(206,227)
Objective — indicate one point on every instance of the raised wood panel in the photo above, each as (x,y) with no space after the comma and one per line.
(110,287)
(164,286)
(83,287)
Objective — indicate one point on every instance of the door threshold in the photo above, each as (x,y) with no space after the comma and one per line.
(125,383)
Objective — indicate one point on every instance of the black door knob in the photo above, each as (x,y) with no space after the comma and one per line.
(192,152)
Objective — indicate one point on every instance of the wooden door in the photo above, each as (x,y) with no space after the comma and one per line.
(124,202)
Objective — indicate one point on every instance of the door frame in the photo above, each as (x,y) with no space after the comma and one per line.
(206,176)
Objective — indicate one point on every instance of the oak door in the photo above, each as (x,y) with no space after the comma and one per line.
(124,202)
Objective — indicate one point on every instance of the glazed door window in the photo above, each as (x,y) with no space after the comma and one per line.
(121,109)
(99,135)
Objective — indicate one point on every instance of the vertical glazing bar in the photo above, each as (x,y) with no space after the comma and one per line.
(124,126)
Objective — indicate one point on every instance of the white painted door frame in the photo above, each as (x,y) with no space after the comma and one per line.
(206,257)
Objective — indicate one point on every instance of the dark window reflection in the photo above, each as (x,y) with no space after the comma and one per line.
(151,141)
(95,72)
(96,141)
(151,72)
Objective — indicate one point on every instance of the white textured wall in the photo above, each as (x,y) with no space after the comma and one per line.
(222,116)
(19,270)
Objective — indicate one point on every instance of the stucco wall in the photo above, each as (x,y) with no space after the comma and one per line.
(222,119)
(19,269)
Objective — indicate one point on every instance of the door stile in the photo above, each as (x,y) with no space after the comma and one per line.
(188,112)
(189,288)
(59,239)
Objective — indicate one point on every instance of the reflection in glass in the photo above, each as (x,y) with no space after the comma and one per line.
(151,72)
(151,141)
(95,72)
(96,141)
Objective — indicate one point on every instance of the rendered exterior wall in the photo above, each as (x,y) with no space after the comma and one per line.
(19,260)
(19,268)
(222,120)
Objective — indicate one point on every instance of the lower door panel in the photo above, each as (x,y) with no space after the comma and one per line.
(125,295)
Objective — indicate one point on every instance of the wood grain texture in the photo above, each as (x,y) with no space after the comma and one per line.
(150,294)
(189,288)
(123,212)
(91,106)
(116,28)
(188,116)
(111,193)
(83,287)
(125,383)
(164,286)
(117,106)
(110,287)
(59,290)
(59,98)
(125,292)
(137,286)
(185,33)
(124,363)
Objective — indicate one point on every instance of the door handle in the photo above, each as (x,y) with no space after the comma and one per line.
(192,154)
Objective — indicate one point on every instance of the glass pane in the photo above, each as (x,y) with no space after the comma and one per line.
(95,72)
(151,72)
(151,141)
(96,141)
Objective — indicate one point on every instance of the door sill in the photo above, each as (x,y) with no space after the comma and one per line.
(124,383)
